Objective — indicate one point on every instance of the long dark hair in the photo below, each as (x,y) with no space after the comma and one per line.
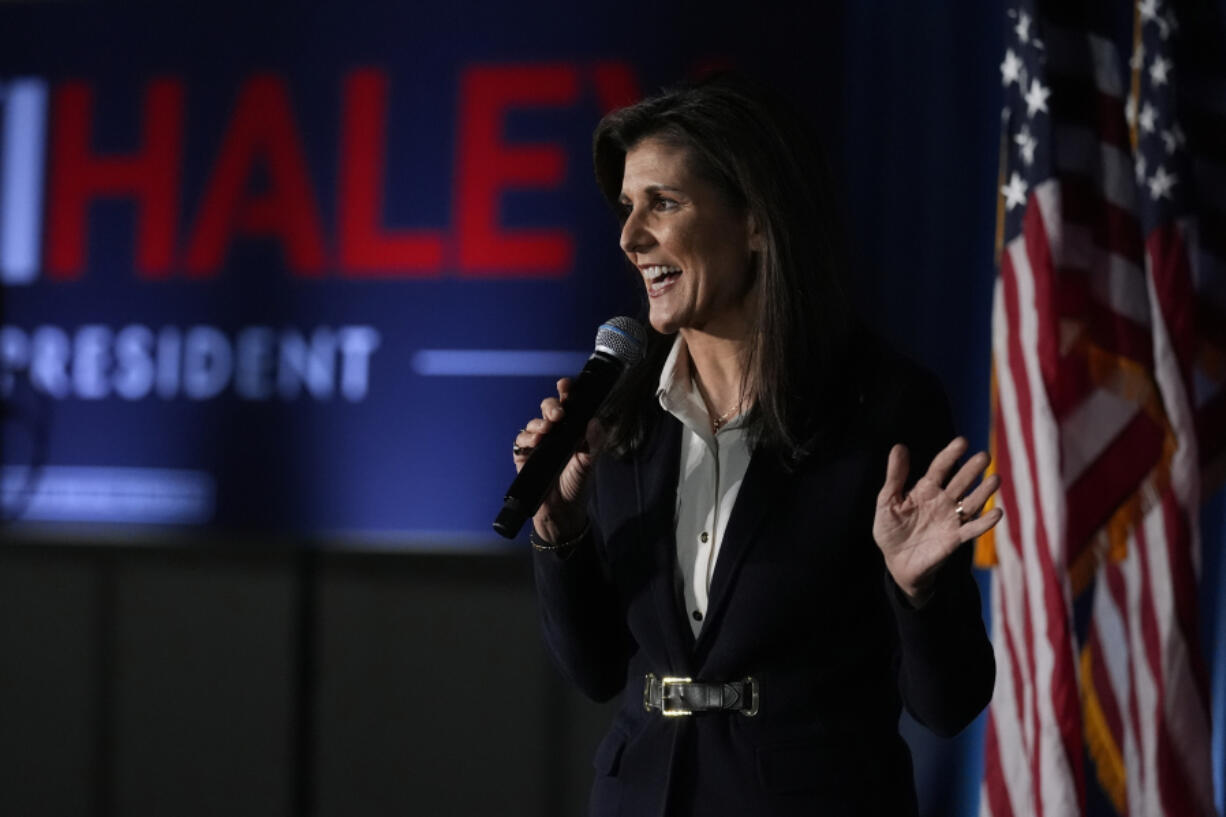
(765,158)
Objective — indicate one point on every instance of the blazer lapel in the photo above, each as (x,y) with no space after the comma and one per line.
(656,471)
(764,480)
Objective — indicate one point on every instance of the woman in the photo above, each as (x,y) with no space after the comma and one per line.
(727,524)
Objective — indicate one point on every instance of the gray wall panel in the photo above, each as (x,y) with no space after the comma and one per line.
(49,663)
(154,682)
(432,690)
(204,687)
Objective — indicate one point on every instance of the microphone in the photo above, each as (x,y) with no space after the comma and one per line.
(619,345)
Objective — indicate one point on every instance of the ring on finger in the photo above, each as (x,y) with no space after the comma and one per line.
(963,516)
(521,450)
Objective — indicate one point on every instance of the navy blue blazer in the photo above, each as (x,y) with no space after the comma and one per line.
(800,600)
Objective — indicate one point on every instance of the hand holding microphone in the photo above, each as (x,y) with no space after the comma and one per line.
(561,516)
(554,452)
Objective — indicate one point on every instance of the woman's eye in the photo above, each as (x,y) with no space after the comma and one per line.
(663,203)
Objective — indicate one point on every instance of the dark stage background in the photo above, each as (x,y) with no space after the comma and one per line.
(284,283)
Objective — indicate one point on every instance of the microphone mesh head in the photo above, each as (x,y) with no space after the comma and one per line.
(623,338)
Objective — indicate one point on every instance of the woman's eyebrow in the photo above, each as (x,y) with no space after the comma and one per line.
(654,188)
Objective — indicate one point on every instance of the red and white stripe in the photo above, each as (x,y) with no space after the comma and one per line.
(1034,742)
(1056,436)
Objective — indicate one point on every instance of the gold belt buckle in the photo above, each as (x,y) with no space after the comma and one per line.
(665,683)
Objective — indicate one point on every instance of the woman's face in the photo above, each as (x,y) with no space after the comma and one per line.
(693,248)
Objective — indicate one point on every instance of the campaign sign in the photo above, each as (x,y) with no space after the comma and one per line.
(304,269)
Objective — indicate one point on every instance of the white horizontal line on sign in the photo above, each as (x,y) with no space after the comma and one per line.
(97,494)
(497,362)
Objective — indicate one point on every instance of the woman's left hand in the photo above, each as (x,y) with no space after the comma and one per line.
(918,530)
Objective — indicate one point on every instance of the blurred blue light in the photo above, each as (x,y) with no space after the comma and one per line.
(96,494)
(497,362)
(23,116)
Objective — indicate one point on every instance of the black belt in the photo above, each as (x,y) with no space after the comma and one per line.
(675,697)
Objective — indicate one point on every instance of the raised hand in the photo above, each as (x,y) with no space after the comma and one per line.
(918,530)
(562,515)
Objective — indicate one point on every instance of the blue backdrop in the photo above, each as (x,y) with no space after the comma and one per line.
(276,247)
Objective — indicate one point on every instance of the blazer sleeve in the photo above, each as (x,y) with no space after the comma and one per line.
(581,615)
(946,668)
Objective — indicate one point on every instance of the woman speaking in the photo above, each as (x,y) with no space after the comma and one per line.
(759,546)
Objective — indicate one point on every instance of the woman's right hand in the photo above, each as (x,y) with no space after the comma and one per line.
(563,514)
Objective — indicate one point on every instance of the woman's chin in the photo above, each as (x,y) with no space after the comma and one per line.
(664,324)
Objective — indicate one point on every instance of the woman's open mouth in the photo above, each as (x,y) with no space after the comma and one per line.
(659,278)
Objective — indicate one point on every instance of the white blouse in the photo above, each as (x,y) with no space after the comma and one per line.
(712,469)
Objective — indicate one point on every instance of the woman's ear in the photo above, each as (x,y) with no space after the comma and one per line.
(757,240)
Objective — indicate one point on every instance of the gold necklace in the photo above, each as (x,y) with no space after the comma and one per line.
(716,422)
(719,422)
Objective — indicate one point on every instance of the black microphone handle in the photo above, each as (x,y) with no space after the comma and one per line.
(551,454)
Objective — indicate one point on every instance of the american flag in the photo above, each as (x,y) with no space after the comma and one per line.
(1109,343)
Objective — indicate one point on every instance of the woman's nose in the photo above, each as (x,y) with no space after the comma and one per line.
(635,236)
